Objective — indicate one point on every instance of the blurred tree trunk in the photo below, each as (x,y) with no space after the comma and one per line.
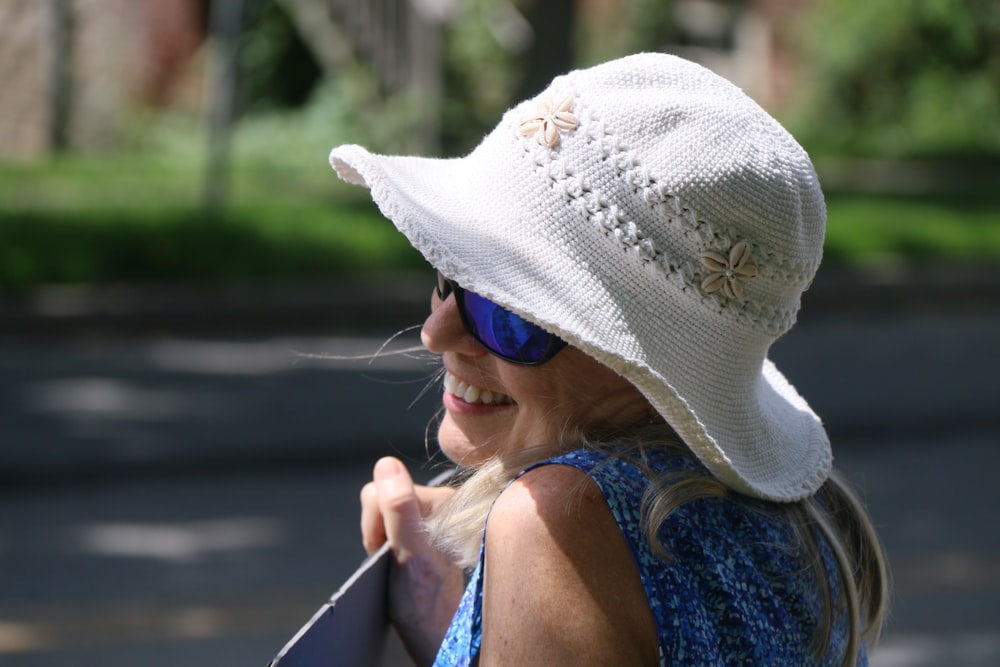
(551,51)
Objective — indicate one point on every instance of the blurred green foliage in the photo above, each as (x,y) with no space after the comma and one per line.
(480,75)
(869,229)
(901,79)
(138,219)
(275,67)
(184,245)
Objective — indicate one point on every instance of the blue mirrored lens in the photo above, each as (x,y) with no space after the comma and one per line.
(503,332)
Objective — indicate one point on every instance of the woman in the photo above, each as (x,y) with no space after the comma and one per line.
(641,485)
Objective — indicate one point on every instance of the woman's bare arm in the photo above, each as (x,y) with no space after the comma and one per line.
(561,586)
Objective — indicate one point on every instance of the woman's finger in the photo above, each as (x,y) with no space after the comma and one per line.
(372,527)
(399,507)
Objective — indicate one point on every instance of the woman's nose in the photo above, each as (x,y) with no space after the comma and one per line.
(443,330)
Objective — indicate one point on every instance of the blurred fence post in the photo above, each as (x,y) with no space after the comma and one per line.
(224,29)
(61,76)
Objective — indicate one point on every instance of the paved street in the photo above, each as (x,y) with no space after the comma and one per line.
(192,500)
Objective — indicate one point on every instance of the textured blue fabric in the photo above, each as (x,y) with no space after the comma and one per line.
(736,589)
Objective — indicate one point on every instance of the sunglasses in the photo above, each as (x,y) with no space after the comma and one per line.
(503,333)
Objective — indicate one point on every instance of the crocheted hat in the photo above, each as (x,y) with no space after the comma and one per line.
(652,215)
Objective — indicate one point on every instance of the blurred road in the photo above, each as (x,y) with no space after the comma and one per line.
(192,500)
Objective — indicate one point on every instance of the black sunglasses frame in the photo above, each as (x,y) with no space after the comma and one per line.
(446,286)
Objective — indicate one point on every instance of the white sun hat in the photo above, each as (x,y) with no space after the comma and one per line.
(652,215)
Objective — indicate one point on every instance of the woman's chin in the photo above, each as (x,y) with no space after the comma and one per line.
(460,447)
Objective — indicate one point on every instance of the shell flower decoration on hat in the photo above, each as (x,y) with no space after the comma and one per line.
(550,119)
(728,273)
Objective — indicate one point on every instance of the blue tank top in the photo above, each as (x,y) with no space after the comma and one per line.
(736,589)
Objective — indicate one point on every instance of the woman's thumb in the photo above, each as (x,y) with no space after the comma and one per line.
(400,509)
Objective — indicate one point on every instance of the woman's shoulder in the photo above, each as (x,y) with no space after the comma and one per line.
(555,492)
(557,565)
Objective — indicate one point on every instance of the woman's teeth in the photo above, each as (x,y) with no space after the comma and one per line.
(471,394)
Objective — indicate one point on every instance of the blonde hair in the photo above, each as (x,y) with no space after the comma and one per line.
(834,514)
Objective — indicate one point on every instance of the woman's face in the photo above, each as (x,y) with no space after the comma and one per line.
(497,408)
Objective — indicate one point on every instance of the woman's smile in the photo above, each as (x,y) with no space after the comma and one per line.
(466,392)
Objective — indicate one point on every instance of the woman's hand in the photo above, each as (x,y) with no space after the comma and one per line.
(425,586)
